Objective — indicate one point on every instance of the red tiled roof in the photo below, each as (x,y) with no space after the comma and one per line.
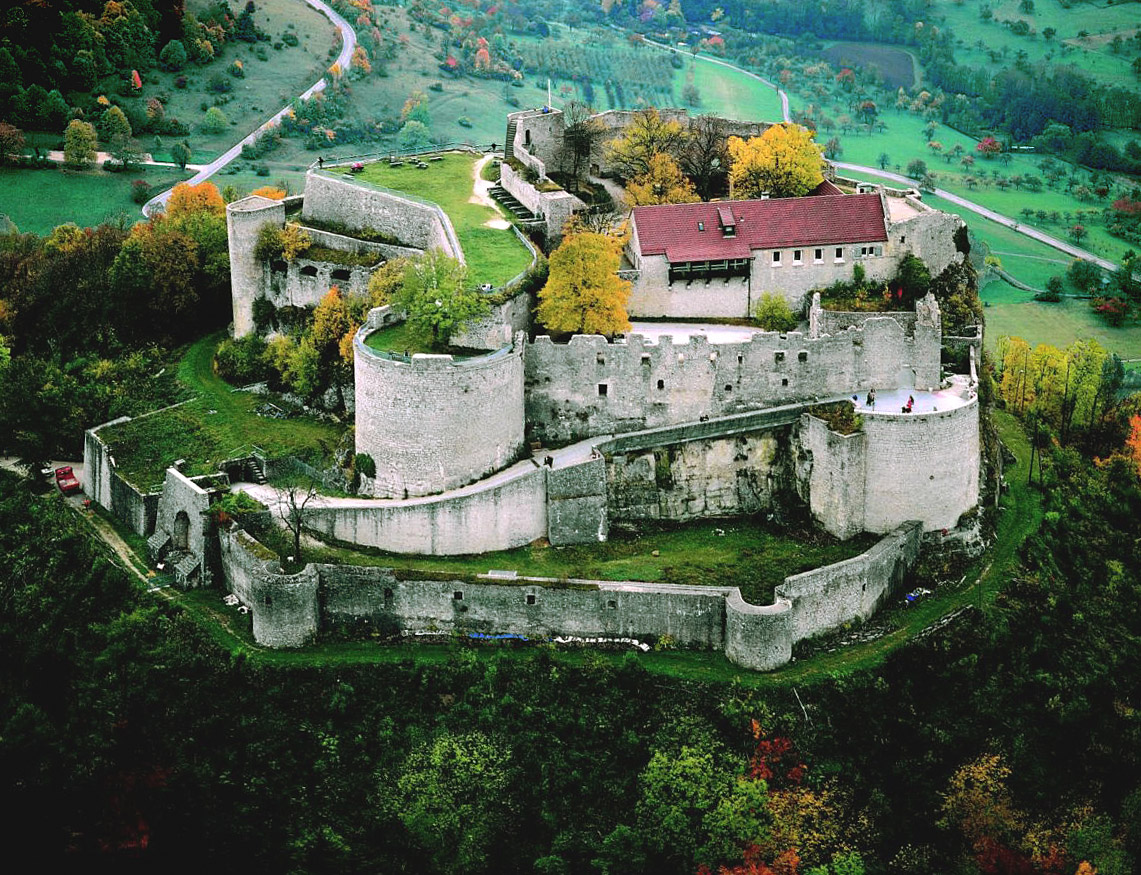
(779,223)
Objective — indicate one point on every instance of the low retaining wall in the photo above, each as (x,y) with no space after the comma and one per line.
(289,610)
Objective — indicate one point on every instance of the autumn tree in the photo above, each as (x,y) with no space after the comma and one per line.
(581,131)
(662,183)
(647,135)
(435,296)
(116,133)
(11,142)
(583,293)
(79,143)
(385,281)
(186,199)
(782,162)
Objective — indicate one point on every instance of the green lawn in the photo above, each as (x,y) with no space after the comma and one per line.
(729,92)
(39,200)
(214,426)
(737,552)
(493,255)
(1055,324)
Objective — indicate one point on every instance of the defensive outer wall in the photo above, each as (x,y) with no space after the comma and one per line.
(292,610)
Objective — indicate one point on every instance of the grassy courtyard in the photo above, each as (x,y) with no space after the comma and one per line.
(737,552)
(212,427)
(494,254)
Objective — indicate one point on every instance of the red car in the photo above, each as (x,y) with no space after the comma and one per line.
(66,480)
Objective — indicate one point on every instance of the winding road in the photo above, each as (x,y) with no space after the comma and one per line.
(348,44)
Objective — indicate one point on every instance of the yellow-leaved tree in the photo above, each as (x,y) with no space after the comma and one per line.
(647,135)
(782,162)
(584,294)
(204,197)
(662,183)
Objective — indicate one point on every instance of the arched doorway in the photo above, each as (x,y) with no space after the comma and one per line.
(181,539)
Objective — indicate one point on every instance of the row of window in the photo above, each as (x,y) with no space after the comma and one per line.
(688,271)
(818,255)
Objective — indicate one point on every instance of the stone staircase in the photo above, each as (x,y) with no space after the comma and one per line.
(157,545)
(506,200)
(509,143)
(185,569)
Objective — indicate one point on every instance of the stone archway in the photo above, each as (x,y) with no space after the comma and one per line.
(181,535)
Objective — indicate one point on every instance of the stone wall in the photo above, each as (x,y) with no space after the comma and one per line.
(103,485)
(503,512)
(835,482)
(555,207)
(822,321)
(183,497)
(304,282)
(496,329)
(921,466)
(289,610)
(590,386)
(434,423)
(929,236)
(741,474)
(244,219)
(827,598)
(577,502)
(333,197)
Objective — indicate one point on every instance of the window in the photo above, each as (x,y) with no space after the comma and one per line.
(602,390)
(530,598)
(612,604)
(661,384)
(388,599)
(902,239)
(839,253)
(457,596)
(776,259)
(818,256)
(797,256)
(309,270)
(802,355)
(728,388)
(341,274)
(784,382)
(700,226)
(600,359)
(779,355)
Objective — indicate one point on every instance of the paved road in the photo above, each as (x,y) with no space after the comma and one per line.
(1014,225)
(348,43)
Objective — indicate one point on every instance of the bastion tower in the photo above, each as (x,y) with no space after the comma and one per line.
(244,220)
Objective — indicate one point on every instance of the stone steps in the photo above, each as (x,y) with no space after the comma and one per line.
(505,199)
(509,144)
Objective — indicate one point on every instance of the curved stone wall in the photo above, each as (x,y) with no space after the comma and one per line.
(758,636)
(244,219)
(921,466)
(433,423)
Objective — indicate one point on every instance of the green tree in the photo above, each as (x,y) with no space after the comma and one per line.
(116,132)
(79,143)
(453,795)
(583,293)
(181,154)
(774,314)
(414,136)
(435,296)
(783,162)
(173,56)
(215,121)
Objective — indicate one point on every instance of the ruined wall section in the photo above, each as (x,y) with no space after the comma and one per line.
(499,326)
(304,282)
(589,386)
(331,197)
(433,423)
(929,235)
(832,477)
(555,207)
(285,607)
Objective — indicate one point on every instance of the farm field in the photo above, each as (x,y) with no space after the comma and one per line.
(39,200)
(494,254)
(977,37)
(266,87)
(898,67)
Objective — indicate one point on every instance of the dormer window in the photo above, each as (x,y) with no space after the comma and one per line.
(727,222)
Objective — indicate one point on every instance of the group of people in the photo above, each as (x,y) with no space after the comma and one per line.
(870,401)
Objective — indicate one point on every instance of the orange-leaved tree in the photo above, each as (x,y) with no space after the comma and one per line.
(584,294)
(195,198)
(783,162)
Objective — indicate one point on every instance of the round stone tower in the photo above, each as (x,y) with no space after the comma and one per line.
(436,422)
(244,219)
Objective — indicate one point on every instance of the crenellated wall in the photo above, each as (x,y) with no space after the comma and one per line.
(289,610)
(434,422)
(590,386)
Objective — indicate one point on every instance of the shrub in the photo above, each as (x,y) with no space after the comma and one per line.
(179,81)
(173,56)
(265,314)
(463,121)
(215,121)
(219,84)
(140,191)
(261,170)
(1053,293)
(365,464)
(774,314)
(242,361)
(290,39)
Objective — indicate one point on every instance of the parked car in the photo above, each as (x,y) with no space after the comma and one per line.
(66,480)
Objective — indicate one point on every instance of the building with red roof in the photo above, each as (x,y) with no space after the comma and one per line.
(718,259)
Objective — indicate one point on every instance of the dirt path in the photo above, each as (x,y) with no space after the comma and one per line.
(480,189)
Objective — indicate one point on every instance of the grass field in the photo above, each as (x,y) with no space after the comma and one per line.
(730,92)
(39,200)
(494,255)
(207,430)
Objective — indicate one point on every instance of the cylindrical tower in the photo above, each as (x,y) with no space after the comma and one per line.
(436,422)
(244,219)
